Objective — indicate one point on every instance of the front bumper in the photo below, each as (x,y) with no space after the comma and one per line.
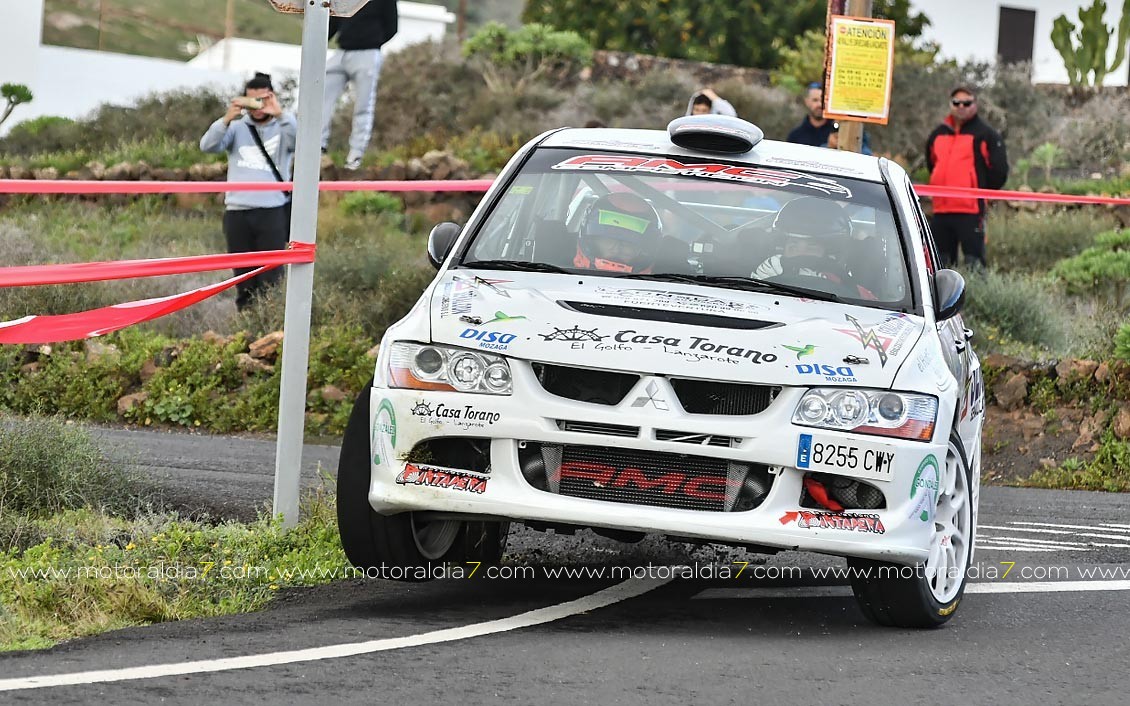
(403,418)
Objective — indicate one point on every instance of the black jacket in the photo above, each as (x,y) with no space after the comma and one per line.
(373,25)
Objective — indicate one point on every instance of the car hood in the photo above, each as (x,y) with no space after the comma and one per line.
(670,329)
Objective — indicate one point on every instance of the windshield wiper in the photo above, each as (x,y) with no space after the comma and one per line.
(737,282)
(518,265)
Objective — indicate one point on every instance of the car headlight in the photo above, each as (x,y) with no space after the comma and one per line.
(418,366)
(881,412)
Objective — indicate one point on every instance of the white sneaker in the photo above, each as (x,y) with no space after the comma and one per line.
(353,162)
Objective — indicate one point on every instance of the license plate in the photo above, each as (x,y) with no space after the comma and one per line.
(825,454)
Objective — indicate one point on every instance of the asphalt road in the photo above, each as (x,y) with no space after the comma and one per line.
(1016,639)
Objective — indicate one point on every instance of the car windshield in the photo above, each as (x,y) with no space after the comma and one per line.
(715,223)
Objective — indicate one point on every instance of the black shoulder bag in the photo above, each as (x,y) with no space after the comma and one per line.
(274,167)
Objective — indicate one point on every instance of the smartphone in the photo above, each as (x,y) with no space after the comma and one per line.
(249,103)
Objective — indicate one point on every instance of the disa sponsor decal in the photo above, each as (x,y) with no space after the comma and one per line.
(829,373)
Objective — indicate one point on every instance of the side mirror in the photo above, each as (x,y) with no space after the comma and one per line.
(951,293)
(440,240)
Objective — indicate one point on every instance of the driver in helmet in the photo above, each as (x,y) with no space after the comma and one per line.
(816,232)
(813,232)
(619,233)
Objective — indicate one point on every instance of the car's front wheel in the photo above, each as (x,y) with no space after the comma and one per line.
(926,595)
(410,543)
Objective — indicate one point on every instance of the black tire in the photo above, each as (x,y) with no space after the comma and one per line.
(888,595)
(371,540)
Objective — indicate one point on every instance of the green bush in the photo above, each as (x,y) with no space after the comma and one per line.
(371,203)
(1102,270)
(509,60)
(174,117)
(1034,241)
(1122,343)
(1097,133)
(1020,307)
(48,466)
(46,133)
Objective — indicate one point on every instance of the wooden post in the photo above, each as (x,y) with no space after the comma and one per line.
(101,23)
(229,32)
(461,26)
(851,132)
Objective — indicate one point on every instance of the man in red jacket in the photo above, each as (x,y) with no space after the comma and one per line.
(963,151)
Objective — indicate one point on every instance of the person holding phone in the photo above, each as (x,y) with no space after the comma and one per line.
(259,139)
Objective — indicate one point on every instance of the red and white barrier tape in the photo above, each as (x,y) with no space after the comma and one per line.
(30,275)
(98,322)
(68,186)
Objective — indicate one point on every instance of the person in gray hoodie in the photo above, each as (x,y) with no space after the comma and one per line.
(259,139)
(706,102)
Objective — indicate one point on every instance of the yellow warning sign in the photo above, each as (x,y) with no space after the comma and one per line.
(860,70)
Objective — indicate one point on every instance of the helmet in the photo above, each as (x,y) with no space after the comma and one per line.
(810,221)
(620,232)
(812,217)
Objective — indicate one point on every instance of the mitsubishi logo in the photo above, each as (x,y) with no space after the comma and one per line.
(652,397)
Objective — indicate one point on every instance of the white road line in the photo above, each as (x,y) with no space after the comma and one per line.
(1083,527)
(842,591)
(1107,524)
(1017,548)
(1050,531)
(1031,540)
(1018,529)
(600,599)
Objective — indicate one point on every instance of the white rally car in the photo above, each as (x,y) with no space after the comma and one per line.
(698,333)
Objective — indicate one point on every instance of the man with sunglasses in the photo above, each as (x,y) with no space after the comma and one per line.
(963,151)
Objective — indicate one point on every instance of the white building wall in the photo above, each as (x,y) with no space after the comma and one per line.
(73,82)
(967,29)
(21,31)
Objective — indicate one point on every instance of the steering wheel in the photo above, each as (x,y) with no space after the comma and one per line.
(833,275)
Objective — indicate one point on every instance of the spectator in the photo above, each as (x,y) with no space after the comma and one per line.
(963,151)
(359,60)
(706,102)
(259,140)
(815,128)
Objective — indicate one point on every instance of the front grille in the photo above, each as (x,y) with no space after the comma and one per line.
(598,428)
(704,397)
(638,477)
(684,437)
(583,384)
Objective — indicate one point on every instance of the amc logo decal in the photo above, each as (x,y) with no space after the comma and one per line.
(602,475)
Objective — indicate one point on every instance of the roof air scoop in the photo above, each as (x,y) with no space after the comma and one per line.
(714,133)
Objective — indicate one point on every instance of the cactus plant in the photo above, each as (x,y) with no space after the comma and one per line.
(1084,49)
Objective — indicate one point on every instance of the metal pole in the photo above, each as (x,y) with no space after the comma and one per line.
(851,131)
(300,278)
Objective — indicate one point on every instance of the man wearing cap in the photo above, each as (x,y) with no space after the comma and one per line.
(963,151)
